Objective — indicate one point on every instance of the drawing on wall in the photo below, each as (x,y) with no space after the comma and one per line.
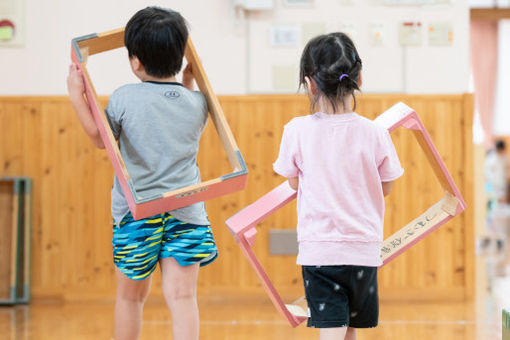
(410,33)
(440,33)
(349,28)
(12,30)
(6,30)
(389,34)
(285,36)
(377,33)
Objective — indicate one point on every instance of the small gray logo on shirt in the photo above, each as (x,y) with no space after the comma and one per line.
(172,94)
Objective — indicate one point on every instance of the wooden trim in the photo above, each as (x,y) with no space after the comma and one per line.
(257,97)
(372,96)
(491,14)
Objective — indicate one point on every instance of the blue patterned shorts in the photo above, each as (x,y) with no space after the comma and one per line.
(138,245)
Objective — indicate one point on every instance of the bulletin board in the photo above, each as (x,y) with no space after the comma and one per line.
(12,23)
(401,42)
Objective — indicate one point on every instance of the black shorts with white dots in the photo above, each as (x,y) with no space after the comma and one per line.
(341,296)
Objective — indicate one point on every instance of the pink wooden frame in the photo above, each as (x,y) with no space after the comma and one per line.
(142,207)
(242,225)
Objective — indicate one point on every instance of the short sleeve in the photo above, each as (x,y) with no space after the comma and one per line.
(114,114)
(388,163)
(286,164)
(204,108)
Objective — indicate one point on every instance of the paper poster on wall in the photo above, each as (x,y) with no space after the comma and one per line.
(348,28)
(299,3)
(12,23)
(410,33)
(441,33)
(377,34)
(285,36)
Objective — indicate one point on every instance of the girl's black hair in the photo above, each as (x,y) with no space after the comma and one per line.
(325,59)
(157,37)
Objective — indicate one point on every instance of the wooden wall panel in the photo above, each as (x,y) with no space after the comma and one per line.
(41,138)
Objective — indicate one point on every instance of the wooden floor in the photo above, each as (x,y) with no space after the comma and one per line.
(254,318)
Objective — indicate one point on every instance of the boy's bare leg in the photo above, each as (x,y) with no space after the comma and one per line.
(131,296)
(180,291)
(337,333)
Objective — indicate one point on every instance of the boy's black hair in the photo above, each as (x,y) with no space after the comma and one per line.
(332,61)
(157,37)
(500,145)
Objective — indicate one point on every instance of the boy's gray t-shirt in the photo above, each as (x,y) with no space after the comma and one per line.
(158,127)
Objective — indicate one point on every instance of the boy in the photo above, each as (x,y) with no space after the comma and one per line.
(158,124)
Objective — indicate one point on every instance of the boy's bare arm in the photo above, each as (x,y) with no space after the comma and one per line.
(386,188)
(188,77)
(76,89)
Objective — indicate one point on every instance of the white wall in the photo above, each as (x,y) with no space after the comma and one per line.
(40,67)
(386,68)
(501,122)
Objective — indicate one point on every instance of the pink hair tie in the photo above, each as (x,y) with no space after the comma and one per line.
(342,76)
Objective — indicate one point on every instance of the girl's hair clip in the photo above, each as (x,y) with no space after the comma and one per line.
(342,76)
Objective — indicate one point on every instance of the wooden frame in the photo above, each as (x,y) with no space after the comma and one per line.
(491,14)
(141,207)
(17,252)
(242,225)
(24,240)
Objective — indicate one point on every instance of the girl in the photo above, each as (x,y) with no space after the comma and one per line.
(342,166)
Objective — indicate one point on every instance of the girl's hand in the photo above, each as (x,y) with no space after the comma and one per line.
(75,85)
(187,77)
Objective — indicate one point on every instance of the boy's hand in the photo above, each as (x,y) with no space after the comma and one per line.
(75,85)
(76,88)
(187,77)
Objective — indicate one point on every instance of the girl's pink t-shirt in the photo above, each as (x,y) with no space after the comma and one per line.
(341,160)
